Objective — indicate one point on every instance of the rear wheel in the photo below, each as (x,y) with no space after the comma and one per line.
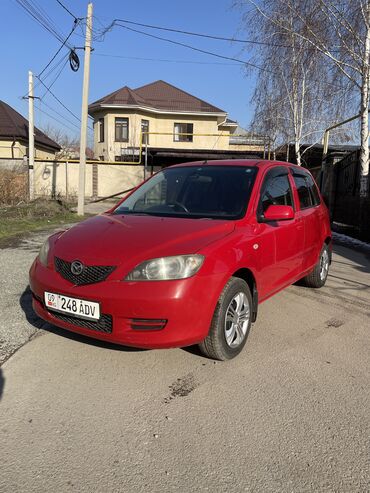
(231,322)
(317,278)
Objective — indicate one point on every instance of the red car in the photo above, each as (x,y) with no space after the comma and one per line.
(187,256)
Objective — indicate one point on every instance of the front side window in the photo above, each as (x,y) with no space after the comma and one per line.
(183,132)
(144,130)
(275,190)
(121,129)
(217,192)
(101,129)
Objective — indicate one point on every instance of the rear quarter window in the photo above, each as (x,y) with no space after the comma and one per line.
(307,190)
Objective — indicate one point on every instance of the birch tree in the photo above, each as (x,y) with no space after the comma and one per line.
(338,32)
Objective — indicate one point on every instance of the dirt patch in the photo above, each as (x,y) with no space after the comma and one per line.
(334,322)
(181,387)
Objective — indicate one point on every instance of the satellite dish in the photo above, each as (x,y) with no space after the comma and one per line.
(74,61)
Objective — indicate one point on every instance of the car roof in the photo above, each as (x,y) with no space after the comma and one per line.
(260,163)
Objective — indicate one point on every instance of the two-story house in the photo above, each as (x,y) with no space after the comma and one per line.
(171,124)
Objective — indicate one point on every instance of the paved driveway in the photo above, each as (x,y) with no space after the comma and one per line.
(291,413)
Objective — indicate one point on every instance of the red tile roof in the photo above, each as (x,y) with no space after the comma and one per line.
(14,126)
(158,95)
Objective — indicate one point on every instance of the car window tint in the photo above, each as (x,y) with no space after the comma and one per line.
(275,191)
(192,191)
(315,196)
(303,189)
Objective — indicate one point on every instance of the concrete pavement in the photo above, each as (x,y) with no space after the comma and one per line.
(291,413)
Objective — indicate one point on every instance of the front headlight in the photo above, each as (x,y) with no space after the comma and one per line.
(43,253)
(166,268)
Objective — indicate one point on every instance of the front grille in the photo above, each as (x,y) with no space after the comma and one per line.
(90,274)
(104,324)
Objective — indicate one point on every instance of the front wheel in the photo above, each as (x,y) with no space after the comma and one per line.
(231,322)
(317,278)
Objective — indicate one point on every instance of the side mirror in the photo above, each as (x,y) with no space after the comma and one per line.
(278,213)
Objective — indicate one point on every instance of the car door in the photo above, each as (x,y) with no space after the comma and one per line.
(310,213)
(279,242)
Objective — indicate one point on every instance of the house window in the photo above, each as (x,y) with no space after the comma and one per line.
(183,128)
(121,129)
(145,128)
(101,129)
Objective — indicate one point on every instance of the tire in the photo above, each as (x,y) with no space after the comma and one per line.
(231,322)
(317,278)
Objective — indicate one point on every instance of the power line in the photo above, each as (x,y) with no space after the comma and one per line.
(206,52)
(34,11)
(56,78)
(64,43)
(53,68)
(57,120)
(65,8)
(60,102)
(244,62)
(57,99)
(200,35)
(60,114)
(166,60)
(60,48)
(48,73)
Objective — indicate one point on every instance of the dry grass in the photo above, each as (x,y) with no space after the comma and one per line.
(39,214)
(13,186)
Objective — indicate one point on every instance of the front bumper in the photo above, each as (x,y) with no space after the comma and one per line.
(186,305)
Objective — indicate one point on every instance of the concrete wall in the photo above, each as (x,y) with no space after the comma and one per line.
(52,178)
(13,164)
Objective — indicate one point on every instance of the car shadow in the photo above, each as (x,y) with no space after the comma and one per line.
(25,302)
(2,383)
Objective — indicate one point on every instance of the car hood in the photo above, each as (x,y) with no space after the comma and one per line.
(114,239)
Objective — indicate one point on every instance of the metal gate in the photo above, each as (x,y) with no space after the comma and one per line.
(347,190)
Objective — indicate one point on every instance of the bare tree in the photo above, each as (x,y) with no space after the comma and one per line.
(338,32)
(296,88)
(69,145)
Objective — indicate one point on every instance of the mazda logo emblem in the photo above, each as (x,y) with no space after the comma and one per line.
(77,267)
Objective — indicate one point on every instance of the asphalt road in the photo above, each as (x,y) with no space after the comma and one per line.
(290,414)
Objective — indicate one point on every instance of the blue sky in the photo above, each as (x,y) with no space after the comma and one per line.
(27,46)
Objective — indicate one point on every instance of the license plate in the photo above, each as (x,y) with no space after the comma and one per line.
(74,306)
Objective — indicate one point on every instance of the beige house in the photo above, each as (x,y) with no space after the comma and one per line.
(14,137)
(139,131)
(169,123)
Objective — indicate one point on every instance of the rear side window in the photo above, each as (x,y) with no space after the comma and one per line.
(275,190)
(307,191)
(315,196)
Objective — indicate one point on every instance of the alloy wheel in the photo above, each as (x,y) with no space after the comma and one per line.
(237,320)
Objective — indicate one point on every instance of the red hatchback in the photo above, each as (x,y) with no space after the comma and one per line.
(187,257)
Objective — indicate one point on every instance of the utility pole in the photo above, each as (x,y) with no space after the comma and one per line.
(31,136)
(84,114)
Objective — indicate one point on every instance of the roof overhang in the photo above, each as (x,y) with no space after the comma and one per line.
(148,109)
(226,124)
(202,153)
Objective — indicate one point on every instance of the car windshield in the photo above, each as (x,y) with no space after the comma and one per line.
(194,191)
